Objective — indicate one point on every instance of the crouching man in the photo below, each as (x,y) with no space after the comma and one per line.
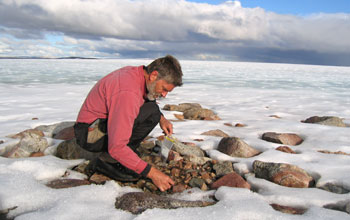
(119,112)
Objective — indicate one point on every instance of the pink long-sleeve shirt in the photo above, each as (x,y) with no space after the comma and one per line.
(118,97)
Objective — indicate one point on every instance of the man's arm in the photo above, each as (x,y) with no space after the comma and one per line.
(162,181)
(166,125)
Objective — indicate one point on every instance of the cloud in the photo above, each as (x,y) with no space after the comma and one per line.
(126,28)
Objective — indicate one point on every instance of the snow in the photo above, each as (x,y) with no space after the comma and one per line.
(246,93)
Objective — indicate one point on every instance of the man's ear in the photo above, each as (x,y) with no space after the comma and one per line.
(153,76)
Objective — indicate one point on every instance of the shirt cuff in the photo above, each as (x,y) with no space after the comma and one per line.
(145,171)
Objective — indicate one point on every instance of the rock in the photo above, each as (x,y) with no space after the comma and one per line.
(187,150)
(1,141)
(275,116)
(288,209)
(197,182)
(66,183)
(334,188)
(285,138)
(180,117)
(4,212)
(149,145)
(99,178)
(70,150)
(336,152)
(197,160)
(198,139)
(232,180)
(178,188)
(182,107)
(174,156)
(282,174)
(200,114)
(285,149)
(54,129)
(216,133)
(240,125)
(28,132)
(343,206)
(235,147)
(65,134)
(138,202)
(32,141)
(37,154)
(326,120)
(223,168)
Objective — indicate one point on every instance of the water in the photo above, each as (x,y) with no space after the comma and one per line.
(217,74)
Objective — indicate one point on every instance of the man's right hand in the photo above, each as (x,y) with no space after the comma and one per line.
(162,181)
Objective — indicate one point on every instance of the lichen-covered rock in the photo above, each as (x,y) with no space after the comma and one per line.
(282,174)
(197,160)
(223,168)
(285,138)
(181,107)
(326,120)
(32,141)
(138,202)
(235,147)
(216,133)
(200,114)
(187,150)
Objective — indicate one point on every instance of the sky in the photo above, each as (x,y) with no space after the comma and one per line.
(308,32)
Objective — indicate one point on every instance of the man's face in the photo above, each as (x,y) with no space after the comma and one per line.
(158,88)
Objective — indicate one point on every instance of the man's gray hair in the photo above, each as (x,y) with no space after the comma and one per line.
(168,69)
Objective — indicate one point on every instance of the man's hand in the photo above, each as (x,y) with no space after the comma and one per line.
(166,126)
(162,181)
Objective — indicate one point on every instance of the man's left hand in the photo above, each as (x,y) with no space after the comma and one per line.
(166,126)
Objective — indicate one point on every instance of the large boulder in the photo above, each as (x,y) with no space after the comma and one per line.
(326,120)
(282,138)
(282,174)
(235,147)
(187,150)
(232,180)
(200,114)
(181,107)
(54,129)
(65,134)
(31,141)
(138,202)
(192,111)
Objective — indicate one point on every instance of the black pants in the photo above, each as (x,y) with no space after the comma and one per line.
(147,119)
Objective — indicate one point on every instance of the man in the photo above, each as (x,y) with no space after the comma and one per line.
(120,111)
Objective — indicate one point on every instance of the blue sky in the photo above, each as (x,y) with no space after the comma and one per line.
(307,32)
(298,7)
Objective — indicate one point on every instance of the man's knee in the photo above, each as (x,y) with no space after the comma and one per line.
(150,113)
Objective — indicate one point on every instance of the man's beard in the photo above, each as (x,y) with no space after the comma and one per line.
(151,88)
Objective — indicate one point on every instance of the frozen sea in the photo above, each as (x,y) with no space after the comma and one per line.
(248,93)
